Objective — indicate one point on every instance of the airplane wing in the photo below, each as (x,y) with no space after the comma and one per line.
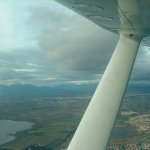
(131,20)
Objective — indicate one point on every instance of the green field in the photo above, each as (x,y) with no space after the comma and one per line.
(55,120)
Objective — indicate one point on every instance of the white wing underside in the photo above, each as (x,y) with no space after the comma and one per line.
(130,19)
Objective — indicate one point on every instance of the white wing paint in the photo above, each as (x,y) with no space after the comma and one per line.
(130,19)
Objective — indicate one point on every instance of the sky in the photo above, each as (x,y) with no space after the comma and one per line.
(46,44)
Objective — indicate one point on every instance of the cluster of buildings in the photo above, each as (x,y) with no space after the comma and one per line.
(140,122)
(143,146)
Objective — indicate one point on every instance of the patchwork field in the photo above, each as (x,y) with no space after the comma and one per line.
(55,120)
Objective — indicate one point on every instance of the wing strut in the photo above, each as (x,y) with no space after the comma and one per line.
(94,130)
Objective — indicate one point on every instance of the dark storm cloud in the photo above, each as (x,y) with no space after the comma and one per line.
(75,43)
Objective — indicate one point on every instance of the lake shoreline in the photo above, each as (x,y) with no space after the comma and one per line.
(10,130)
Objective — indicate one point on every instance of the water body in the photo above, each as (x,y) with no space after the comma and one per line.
(8,129)
(123,132)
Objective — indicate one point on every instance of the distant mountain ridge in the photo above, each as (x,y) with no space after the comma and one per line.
(138,88)
(64,89)
(59,90)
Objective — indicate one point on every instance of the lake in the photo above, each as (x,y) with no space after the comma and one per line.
(123,132)
(8,129)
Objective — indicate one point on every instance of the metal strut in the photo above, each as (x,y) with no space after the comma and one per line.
(95,128)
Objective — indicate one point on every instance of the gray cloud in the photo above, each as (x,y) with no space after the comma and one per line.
(75,43)
(70,49)
(141,69)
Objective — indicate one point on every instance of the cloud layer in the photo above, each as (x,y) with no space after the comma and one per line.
(49,44)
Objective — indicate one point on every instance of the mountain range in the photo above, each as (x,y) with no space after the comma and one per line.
(64,89)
